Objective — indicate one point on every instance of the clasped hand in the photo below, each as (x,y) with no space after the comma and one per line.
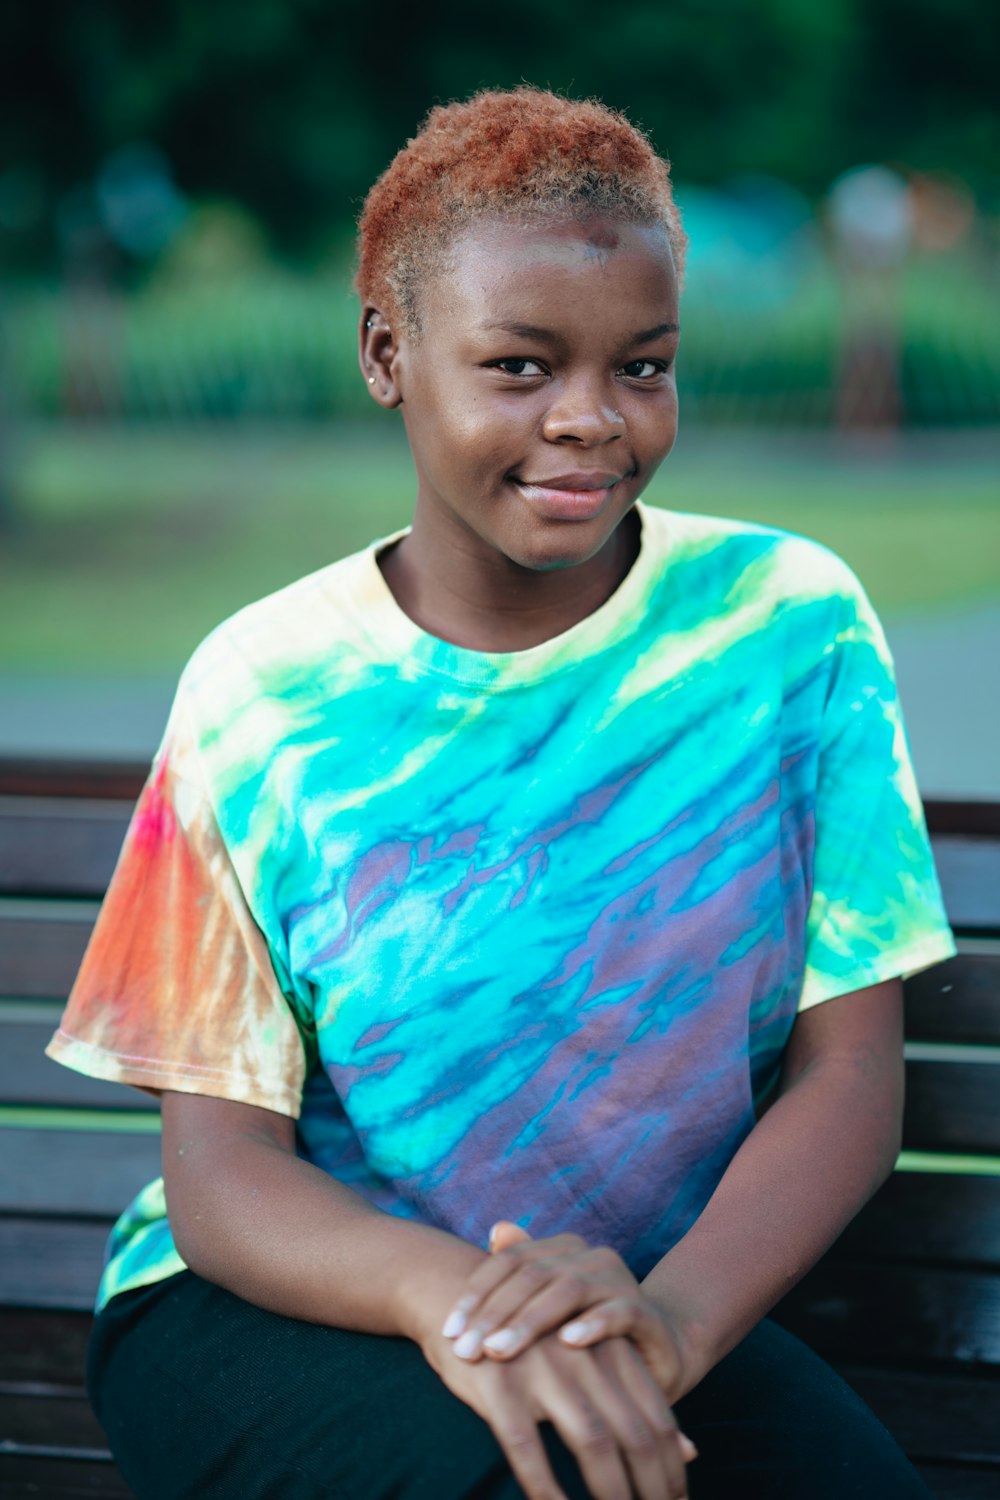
(609,1401)
(528,1287)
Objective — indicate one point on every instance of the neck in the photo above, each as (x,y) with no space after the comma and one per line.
(485,602)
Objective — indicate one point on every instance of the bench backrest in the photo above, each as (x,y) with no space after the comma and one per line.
(74,1150)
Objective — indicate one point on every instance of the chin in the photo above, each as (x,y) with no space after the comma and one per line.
(547,554)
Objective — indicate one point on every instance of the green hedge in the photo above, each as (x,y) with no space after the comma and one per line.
(275,346)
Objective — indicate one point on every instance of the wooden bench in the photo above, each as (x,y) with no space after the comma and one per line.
(906,1305)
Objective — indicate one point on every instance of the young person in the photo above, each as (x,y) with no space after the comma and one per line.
(551,864)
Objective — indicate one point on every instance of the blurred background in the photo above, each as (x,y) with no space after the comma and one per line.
(182,424)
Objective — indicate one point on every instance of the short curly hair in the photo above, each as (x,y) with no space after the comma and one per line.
(524,152)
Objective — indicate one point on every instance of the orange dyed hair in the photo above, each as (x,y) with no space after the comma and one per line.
(524,152)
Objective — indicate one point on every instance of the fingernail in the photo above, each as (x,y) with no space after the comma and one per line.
(575,1333)
(502,1340)
(467,1345)
(453,1325)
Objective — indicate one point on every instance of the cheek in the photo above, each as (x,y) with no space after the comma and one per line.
(656,425)
(476,435)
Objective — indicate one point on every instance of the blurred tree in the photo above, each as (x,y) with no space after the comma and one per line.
(293,106)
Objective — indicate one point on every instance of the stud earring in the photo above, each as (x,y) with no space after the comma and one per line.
(371,380)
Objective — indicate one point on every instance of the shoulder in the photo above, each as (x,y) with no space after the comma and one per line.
(259,675)
(761,573)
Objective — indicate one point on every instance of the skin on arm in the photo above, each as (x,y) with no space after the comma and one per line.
(234,1186)
(828,1139)
(249,1215)
(827,1142)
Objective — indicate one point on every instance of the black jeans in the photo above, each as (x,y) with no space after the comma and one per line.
(202,1394)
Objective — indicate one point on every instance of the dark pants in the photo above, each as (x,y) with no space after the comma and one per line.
(202,1394)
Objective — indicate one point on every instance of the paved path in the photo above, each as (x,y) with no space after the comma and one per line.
(948,667)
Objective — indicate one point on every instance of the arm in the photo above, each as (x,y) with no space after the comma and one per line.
(829,1137)
(247,1214)
(828,1140)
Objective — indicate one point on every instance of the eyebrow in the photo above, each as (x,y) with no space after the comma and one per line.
(546,335)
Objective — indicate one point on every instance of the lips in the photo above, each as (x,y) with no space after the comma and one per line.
(580,496)
(591,479)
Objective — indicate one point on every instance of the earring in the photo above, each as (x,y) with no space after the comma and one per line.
(371,380)
(369,323)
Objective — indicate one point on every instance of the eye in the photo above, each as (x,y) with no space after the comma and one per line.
(644,369)
(524,367)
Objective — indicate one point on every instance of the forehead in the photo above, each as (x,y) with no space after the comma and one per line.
(502,268)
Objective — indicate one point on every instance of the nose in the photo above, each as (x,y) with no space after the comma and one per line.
(582,413)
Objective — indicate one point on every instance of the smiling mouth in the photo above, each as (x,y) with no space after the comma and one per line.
(578,483)
(569,497)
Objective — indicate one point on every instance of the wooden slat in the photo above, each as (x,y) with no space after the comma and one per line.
(22,776)
(920,1217)
(59,846)
(40,951)
(51,1262)
(38,1478)
(951,815)
(886,1314)
(74,1172)
(43,1349)
(30,1420)
(959,1000)
(934,1416)
(969,870)
(27,1076)
(952,1106)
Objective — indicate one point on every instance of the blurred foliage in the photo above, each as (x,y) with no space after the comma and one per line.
(261,341)
(292,107)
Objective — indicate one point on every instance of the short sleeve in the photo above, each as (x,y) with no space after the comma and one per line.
(177,989)
(876,909)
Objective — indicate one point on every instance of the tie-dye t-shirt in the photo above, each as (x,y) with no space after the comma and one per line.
(514,935)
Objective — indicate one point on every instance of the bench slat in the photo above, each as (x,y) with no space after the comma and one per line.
(51,1263)
(952,1106)
(936,1416)
(969,871)
(26,1478)
(41,1420)
(958,1000)
(86,1172)
(40,955)
(59,847)
(27,1076)
(884,1314)
(920,1217)
(35,776)
(43,1348)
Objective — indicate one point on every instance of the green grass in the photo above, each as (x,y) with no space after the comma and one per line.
(126,546)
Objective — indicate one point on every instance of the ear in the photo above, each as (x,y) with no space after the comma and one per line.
(377,357)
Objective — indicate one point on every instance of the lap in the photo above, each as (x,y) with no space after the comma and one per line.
(203,1394)
(774,1420)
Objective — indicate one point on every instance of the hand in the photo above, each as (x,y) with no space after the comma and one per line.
(529,1287)
(602,1402)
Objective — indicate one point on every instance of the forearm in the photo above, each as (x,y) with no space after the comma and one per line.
(801,1175)
(279,1232)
